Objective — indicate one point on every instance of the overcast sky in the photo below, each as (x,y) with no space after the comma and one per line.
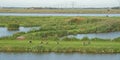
(59,3)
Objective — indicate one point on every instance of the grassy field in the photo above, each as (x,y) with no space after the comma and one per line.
(63,46)
(82,11)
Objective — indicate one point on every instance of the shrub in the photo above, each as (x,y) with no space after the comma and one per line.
(85,39)
(70,39)
(13,26)
(117,39)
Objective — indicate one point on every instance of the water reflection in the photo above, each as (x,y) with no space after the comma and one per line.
(58,56)
(53,14)
(5,32)
(110,35)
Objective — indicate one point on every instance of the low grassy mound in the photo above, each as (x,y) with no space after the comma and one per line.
(76,20)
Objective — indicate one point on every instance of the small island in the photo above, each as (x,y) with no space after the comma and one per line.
(54,31)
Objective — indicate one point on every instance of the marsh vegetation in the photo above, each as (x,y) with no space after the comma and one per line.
(52,29)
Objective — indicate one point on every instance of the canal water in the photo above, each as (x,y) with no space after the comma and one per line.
(54,14)
(110,35)
(57,56)
(5,32)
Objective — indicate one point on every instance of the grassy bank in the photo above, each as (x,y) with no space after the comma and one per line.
(62,46)
(82,11)
(56,27)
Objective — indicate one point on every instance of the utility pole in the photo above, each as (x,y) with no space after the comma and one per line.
(118,3)
(108,11)
(0,6)
(73,4)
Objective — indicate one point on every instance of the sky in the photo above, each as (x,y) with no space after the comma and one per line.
(59,3)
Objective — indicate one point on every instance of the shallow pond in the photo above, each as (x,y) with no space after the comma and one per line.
(57,56)
(54,14)
(110,35)
(5,32)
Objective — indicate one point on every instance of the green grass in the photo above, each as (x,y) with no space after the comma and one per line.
(57,26)
(63,46)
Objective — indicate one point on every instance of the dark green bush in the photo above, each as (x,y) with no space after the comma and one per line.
(70,39)
(13,26)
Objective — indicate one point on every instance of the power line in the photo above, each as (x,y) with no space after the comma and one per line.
(118,2)
(73,4)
